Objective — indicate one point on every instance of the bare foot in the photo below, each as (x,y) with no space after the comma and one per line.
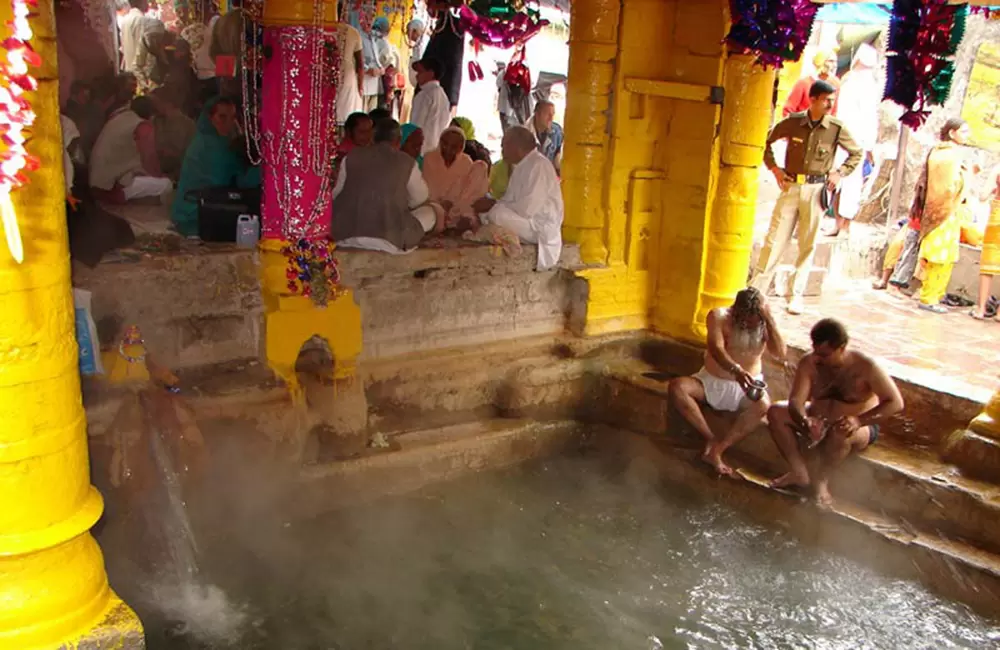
(713,457)
(878,285)
(823,497)
(791,479)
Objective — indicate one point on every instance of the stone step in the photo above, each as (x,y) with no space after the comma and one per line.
(422,457)
(911,491)
(953,568)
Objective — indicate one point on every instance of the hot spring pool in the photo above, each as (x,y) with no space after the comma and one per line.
(551,555)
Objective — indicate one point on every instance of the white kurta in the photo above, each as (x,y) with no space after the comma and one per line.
(857,108)
(532,208)
(431,111)
(132,29)
(348,95)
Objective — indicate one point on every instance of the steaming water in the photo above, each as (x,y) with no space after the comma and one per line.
(192,606)
(558,555)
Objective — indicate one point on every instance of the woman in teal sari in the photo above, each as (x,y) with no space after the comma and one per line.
(412,142)
(210,161)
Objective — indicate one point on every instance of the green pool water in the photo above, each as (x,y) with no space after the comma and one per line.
(551,555)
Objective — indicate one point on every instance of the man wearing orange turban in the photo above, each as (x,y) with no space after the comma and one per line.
(825,62)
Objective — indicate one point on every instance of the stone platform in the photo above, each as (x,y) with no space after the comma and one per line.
(199,304)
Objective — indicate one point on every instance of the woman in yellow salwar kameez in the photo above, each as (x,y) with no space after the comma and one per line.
(940,220)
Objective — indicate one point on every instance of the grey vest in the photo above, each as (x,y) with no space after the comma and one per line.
(374,201)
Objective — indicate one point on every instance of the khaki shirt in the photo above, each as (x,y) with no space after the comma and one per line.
(811,150)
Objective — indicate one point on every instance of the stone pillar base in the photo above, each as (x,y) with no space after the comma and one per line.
(975,455)
(120,629)
(291,321)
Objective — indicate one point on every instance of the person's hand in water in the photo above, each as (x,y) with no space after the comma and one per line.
(847,425)
(816,429)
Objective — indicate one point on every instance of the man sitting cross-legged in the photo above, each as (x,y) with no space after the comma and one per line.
(737,338)
(837,401)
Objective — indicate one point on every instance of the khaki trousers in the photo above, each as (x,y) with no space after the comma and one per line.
(797,210)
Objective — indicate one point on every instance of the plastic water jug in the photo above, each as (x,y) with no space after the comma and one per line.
(247,230)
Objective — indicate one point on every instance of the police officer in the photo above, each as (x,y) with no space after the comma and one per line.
(812,139)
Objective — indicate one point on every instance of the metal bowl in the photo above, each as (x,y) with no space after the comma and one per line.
(756,390)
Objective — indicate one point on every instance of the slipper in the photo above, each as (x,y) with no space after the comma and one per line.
(979,316)
(937,309)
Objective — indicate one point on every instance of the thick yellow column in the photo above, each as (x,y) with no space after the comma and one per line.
(53,588)
(593,47)
(729,241)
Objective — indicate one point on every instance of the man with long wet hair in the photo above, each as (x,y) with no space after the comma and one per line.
(731,379)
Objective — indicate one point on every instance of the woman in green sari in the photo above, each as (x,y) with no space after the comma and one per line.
(211,161)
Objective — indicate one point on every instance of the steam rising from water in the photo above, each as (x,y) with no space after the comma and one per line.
(202,611)
(554,555)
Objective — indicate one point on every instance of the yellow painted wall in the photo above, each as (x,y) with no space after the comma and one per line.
(644,161)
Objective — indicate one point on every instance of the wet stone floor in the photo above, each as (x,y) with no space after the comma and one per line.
(948,352)
(560,554)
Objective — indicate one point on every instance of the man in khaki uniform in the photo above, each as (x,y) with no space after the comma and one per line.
(813,138)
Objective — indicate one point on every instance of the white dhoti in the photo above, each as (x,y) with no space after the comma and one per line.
(424,214)
(851,190)
(549,243)
(145,186)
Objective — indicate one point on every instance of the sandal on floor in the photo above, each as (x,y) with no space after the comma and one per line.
(879,286)
(978,316)
(937,309)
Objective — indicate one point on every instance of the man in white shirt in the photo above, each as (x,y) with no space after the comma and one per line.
(385,205)
(532,206)
(431,109)
(134,26)
(351,73)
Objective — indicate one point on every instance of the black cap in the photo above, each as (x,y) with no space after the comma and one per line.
(429,63)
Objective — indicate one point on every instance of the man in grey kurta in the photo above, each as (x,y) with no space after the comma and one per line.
(380,201)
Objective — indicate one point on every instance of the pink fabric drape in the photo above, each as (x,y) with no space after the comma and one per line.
(297,131)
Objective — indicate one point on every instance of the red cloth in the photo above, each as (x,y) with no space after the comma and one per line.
(798,99)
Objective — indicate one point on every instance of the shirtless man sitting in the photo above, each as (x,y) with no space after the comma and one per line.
(737,338)
(837,401)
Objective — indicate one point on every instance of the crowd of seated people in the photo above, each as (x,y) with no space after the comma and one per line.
(391,193)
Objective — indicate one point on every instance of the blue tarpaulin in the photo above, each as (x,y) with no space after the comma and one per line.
(855,13)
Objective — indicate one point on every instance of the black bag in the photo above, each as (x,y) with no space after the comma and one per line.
(220,207)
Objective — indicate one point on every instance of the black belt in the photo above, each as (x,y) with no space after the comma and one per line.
(808,179)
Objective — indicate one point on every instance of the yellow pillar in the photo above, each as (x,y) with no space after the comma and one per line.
(53,587)
(593,47)
(729,241)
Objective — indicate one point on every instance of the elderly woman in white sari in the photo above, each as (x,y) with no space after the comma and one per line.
(455,181)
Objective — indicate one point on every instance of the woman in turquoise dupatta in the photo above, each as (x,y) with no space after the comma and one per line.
(412,142)
(210,161)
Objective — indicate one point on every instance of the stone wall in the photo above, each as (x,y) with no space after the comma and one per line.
(192,309)
(204,307)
